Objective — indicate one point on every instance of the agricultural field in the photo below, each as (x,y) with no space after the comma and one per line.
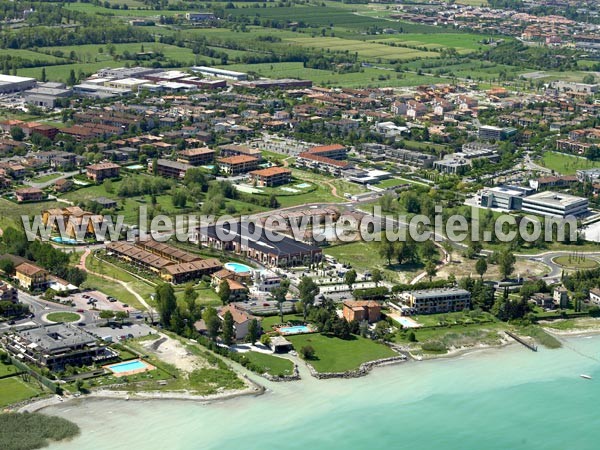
(464,43)
(366,50)
(368,77)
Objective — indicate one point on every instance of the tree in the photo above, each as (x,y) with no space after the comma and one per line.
(121,316)
(376,277)
(166,303)
(17,133)
(386,250)
(107,315)
(308,291)
(228,331)
(43,77)
(350,278)
(307,352)
(224,292)
(212,322)
(431,270)
(253,331)
(278,294)
(71,80)
(108,186)
(481,267)
(428,250)
(506,262)
(412,337)
(7,266)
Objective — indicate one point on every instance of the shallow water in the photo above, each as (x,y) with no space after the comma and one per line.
(503,399)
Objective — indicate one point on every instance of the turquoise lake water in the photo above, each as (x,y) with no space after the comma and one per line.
(504,399)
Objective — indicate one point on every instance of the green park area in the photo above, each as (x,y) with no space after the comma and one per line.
(64,316)
(567,164)
(273,365)
(332,354)
(13,390)
(578,262)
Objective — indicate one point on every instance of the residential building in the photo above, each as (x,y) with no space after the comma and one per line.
(196,156)
(29,194)
(560,296)
(170,169)
(595,296)
(441,300)
(362,310)
(235,165)
(272,176)
(102,171)
(55,346)
(241,320)
(31,277)
(281,251)
(170,263)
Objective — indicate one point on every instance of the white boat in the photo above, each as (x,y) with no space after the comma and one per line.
(587,377)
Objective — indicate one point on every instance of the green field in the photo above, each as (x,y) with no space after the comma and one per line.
(63,317)
(270,364)
(566,164)
(367,77)
(14,390)
(337,355)
(366,50)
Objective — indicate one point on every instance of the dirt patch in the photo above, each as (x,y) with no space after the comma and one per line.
(173,352)
(462,267)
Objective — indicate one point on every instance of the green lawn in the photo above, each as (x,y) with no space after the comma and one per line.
(337,355)
(14,390)
(270,364)
(63,317)
(367,77)
(8,369)
(270,321)
(576,263)
(567,164)
(364,256)
(10,213)
(47,177)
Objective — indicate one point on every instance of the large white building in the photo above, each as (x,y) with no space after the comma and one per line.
(555,204)
(11,83)
(220,73)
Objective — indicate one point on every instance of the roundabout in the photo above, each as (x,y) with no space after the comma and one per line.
(62,316)
(576,262)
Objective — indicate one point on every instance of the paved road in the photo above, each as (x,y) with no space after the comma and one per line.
(45,184)
(555,269)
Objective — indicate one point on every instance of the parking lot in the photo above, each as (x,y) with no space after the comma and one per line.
(85,301)
(118,332)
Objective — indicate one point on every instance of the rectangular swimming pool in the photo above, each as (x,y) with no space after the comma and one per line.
(297,329)
(129,366)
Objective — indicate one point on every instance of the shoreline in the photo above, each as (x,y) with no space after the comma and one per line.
(256,389)
(253,389)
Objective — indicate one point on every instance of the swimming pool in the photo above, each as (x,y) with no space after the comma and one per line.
(405,321)
(64,241)
(129,366)
(237,267)
(135,167)
(296,329)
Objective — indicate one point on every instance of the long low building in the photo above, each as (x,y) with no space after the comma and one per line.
(444,300)
(555,204)
(268,248)
(56,346)
(170,263)
(12,83)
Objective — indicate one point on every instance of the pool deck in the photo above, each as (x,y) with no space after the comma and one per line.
(148,367)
